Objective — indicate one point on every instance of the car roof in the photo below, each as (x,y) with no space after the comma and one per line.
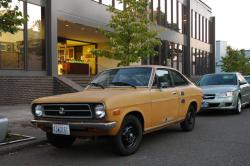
(223,73)
(143,66)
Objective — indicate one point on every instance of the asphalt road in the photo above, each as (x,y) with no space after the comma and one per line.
(218,139)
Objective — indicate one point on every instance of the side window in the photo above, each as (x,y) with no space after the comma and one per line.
(178,79)
(162,78)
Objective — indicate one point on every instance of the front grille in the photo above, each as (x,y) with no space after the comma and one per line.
(67,111)
(214,104)
(209,96)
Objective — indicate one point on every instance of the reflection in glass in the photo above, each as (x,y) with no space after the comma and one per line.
(118,5)
(180,17)
(36,43)
(169,12)
(155,11)
(12,45)
(163,12)
(180,58)
(174,12)
(107,2)
(194,24)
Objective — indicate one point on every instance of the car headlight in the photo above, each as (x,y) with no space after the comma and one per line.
(227,94)
(39,110)
(99,111)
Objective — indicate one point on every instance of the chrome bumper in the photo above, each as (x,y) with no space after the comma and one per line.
(79,125)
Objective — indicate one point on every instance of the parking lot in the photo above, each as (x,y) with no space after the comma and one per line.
(219,138)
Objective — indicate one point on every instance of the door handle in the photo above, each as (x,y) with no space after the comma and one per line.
(174,93)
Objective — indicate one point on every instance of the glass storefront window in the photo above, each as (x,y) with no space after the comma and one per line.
(174,12)
(118,5)
(163,12)
(180,17)
(36,38)
(169,15)
(155,11)
(107,2)
(12,45)
(75,57)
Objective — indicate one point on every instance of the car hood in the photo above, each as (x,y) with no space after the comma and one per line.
(215,89)
(87,95)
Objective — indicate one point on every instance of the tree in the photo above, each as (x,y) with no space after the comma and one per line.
(236,61)
(132,37)
(10,17)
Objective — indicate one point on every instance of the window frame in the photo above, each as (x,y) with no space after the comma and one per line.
(154,77)
(178,73)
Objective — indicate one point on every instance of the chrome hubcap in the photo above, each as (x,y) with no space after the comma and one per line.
(129,136)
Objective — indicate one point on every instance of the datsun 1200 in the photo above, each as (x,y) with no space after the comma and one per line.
(123,103)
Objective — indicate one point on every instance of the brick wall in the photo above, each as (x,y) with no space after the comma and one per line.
(22,90)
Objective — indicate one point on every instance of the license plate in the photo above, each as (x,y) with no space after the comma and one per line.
(61,129)
(205,104)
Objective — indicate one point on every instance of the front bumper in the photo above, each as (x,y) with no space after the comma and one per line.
(227,103)
(77,125)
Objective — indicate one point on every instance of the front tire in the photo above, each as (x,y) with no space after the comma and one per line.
(129,137)
(189,122)
(239,106)
(60,141)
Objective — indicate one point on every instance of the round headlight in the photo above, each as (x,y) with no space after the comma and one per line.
(39,110)
(99,111)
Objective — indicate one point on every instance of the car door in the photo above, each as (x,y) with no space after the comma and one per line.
(183,91)
(164,98)
(244,88)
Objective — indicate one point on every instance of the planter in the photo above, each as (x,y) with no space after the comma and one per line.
(3,128)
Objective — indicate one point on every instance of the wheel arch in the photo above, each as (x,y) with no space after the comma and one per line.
(194,103)
(139,115)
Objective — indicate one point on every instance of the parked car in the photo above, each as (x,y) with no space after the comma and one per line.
(225,91)
(247,78)
(124,103)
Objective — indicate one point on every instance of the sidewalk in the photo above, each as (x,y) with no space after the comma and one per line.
(19,123)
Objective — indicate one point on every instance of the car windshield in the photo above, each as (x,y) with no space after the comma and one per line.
(248,79)
(218,79)
(137,76)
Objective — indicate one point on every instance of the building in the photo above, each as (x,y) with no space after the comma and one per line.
(57,39)
(221,51)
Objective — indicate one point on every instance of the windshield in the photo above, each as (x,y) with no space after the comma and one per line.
(137,76)
(218,79)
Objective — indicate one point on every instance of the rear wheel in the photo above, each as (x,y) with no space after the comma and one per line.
(60,141)
(129,137)
(189,122)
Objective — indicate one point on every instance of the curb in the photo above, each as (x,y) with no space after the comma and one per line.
(11,148)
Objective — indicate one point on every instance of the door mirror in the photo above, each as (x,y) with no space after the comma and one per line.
(242,82)
(163,85)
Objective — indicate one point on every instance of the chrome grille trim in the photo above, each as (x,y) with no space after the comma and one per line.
(67,111)
(209,96)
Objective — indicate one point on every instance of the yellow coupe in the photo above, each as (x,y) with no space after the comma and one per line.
(123,103)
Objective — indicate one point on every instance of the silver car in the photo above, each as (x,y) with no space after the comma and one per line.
(224,91)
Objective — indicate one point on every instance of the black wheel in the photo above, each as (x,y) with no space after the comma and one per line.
(189,122)
(239,106)
(60,141)
(129,137)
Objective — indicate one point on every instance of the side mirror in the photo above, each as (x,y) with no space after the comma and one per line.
(163,85)
(242,83)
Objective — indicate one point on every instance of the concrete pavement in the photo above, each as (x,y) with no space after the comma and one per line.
(19,123)
(220,138)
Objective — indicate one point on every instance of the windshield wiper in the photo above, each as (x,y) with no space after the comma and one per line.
(123,83)
(97,85)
